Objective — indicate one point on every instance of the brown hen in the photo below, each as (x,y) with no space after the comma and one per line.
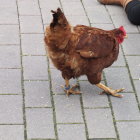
(82,50)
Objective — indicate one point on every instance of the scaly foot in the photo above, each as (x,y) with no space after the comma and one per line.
(114,92)
(110,91)
(71,90)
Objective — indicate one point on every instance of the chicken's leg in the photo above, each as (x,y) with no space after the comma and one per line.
(69,90)
(110,91)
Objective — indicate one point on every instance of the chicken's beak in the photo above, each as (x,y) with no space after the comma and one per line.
(126,36)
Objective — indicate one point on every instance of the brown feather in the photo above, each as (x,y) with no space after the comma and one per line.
(80,50)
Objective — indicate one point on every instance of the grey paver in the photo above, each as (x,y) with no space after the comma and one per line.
(31,24)
(134,66)
(68,110)
(29,7)
(37,94)
(33,44)
(10,56)
(73,20)
(91,97)
(49,4)
(108,26)
(11,109)
(8,15)
(71,131)
(11,132)
(98,15)
(131,45)
(74,6)
(8,3)
(9,34)
(126,108)
(35,68)
(129,130)
(118,78)
(120,61)
(10,81)
(40,123)
(100,123)
(90,3)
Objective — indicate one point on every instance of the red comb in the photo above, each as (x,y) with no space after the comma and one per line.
(122,29)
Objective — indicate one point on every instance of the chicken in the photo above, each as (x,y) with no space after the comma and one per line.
(82,50)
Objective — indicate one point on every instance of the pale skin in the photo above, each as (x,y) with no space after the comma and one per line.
(118,2)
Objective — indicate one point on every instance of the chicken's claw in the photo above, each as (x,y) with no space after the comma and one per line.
(71,90)
(110,91)
(114,92)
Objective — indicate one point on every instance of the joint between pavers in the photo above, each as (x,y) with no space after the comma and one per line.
(127,120)
(50,85)
(112,112)
(106,107)
(83,113)
(131,80)
(22,77)
(38,107)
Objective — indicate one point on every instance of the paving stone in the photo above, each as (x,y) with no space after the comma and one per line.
(134,66)
(108,26)
(11,109)
(33,44)
(66,1)
(35,68)
(118,78)
(8,15)
(137,87)
(40,123)
(91,97)
(50,5)
(83,78)
(51,65)
(74,20)
(100,123)
(11,132)
(57,81)
(31,24)
(9,34)
(10,56)
(98,15)
(126,108)
(71,131)
(8,3)
(68,110)
(129,130)
(120,61)
(115,10)
(10,81)
(73,7)
(131,45)
(47,15)
(90,3)
(37,94)
(28,7)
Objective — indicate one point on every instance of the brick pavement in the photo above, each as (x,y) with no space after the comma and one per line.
(32,104)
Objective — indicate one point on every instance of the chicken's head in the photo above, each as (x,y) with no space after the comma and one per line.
(59,20)
(121,34)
